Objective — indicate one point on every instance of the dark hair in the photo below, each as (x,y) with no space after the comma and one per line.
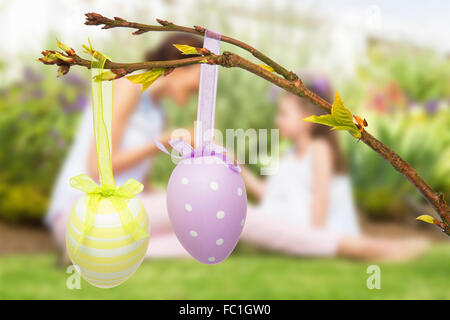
(321,86)
(166,51)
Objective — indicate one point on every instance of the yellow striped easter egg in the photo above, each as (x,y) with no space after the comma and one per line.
(108,255)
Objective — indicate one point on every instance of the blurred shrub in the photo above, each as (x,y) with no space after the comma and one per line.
(422,74)
(21,202)
(406,98)
(421,139)
(37,121)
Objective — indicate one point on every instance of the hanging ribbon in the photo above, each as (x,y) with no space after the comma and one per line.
(102,117)
(204,131)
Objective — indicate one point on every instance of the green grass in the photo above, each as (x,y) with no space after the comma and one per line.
(243,276)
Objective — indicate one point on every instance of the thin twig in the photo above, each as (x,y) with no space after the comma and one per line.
(98,19)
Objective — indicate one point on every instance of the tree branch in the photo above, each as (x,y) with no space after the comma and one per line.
(285,79)
(131,67)
(97,19)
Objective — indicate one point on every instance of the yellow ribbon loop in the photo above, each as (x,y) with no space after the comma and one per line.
(130,189)
(84,183)
(119,196)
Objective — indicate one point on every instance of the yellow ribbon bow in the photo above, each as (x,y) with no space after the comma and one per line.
(102,116)
(117,196)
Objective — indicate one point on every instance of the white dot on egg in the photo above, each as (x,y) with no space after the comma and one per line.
(220,214)
(214,186)
(219,241)
(242,222)
(239,191)
(211,259)
(193,233)
(185,181)
(188,207)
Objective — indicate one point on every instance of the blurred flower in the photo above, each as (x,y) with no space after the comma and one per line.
(417,112)
(377,102)
(432,106)
(72,106)
(81,102)
(387,98)
(58,138)
(38,93)
(395,94)
(75,80)
(30,75)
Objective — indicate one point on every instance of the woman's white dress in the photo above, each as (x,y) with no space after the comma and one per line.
(289,193)
(146,122)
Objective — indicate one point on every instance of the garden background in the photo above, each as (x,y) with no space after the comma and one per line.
(390,61)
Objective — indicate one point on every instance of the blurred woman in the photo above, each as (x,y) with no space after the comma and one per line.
(137,119)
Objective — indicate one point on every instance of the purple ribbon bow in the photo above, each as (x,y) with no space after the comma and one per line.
(187,152)
(204,145)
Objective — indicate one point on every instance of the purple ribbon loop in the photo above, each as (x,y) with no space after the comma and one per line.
(204,131)
(187,152)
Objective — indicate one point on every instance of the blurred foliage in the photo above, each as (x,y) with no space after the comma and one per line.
(37,119)
(422,74)
(405,97)
(421,139)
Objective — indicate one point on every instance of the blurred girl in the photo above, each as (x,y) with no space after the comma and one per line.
(311,187)
(306,207)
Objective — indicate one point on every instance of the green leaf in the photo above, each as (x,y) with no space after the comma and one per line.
(353,131)
(105,76)
(268,68)
(185,49)
(63,57)
(326,119)
(426,218)
(65,48)
(340,118)
(146,78)
(340,113)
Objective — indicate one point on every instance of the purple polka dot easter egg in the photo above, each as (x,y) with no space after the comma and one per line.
(207,206)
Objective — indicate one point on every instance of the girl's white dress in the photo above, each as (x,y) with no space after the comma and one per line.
(146,122)
(289,193)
